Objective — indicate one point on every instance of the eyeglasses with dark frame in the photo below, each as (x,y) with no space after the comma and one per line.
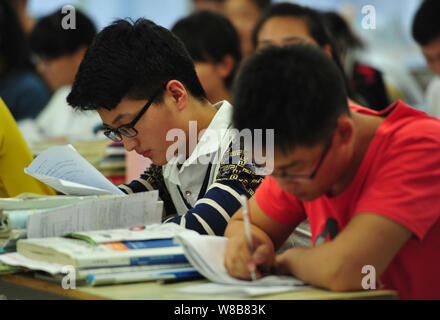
(128,130)
(310,176)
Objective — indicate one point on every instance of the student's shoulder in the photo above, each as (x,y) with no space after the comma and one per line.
(406,125)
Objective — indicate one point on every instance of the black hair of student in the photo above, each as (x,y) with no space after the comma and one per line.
(209,37)
(50,40)
(426,27)
(297,90)
(14,47)
(316,27)
(262,4)
(132,60)
(342,34)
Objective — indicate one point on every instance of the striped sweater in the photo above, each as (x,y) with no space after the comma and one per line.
(212,211)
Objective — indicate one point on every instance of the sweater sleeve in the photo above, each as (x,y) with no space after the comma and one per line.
(212,212)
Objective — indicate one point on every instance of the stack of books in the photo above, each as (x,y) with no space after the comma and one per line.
(112,256)
(112,166)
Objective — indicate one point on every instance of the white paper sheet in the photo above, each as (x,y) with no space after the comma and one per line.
(64,169)
(17,260)
(106,213)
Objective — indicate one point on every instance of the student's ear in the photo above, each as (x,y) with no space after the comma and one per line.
(226,66)
(344,129)
(177,94)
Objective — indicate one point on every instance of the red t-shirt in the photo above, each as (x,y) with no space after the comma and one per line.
(399,178)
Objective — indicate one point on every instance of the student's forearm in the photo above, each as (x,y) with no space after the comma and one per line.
(322,267)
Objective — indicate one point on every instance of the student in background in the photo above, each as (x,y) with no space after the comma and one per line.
(211,5)
(244,15)
(27,22)
(59,53)
(14,157)
(21,89)
(286,23)
(216,58)
(426,31)
(369,181)
(141,80)
(366,83)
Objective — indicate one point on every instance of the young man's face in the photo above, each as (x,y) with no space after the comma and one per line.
(210,78)
(431,52)
(282,31)
(293,171)
(58,72)
(152,127)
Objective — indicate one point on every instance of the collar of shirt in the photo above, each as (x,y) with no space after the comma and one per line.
(208,145)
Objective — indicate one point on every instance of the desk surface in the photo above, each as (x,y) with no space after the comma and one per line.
(156,291)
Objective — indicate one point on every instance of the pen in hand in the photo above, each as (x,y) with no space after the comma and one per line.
(247,229)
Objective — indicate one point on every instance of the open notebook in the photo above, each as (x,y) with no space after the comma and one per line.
(206,254)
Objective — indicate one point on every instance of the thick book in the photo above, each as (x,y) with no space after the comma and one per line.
(145,245)
(81,254)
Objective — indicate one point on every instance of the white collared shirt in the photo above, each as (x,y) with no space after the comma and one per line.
(190,176)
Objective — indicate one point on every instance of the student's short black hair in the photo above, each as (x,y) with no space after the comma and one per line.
(262,4)
(132,60)
(340,30)
(296,90)
(209,36)
(50,40)
(426,26)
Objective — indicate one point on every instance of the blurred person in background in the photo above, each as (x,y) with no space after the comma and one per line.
(27,22)
(426,32)
(22,90)
(14,157)
(367,83)
(214,46)
(60,52)
(211,5)
(244,15)
(287,23)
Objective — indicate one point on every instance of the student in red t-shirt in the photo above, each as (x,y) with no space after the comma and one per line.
(368,181)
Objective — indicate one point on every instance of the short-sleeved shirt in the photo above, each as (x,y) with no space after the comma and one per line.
(399,178)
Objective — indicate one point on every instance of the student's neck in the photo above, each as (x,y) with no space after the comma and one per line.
(366,127)
(202,112)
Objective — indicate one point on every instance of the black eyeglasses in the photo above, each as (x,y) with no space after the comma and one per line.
(128,130)
(307,177)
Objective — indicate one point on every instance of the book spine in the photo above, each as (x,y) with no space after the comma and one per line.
(131,261)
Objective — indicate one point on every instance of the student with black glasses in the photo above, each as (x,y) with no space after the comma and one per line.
(142,82)
(368,181)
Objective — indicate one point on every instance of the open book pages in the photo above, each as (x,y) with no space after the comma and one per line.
(97,214)
(65,170)
(206,254)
